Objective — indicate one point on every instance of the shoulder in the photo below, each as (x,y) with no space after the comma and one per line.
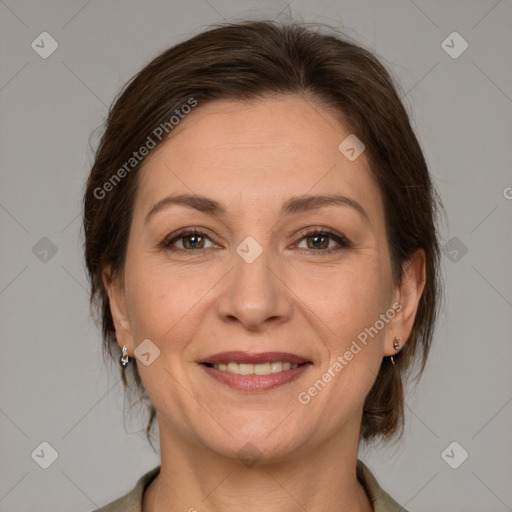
(381,500)
(132,501)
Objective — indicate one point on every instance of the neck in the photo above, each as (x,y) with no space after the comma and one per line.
(196,480)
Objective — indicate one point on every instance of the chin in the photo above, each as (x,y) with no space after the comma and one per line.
(258,441)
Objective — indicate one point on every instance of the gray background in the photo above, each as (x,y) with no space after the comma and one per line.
(54,386)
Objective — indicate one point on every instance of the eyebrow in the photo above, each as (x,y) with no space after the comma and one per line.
(293,205)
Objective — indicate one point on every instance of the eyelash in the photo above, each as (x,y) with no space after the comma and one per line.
(342,241)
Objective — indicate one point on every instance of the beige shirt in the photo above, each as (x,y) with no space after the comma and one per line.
(132,502)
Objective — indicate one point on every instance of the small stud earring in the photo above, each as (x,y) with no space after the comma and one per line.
(125,359)
(396,346)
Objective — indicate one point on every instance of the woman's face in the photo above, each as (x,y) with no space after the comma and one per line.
(255,287)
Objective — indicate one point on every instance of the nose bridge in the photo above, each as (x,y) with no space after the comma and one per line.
(255,293)
(253,264)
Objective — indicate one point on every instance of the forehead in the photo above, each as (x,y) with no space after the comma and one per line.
(270,124)
(261,151)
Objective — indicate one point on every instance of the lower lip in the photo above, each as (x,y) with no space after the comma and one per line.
(254,383)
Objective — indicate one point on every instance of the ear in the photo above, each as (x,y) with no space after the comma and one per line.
(408,294)
(116,294)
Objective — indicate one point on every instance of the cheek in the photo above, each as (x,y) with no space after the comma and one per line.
(164,304)
(353,338)
(350,306)
(351,295)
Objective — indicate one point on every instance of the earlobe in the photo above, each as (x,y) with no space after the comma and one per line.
(115,291)
(408,295)
(397,346)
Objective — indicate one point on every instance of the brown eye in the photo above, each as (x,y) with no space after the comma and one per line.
(193,241)
(317,240)
(187,241)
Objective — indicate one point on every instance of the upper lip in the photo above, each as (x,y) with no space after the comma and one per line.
(254,358)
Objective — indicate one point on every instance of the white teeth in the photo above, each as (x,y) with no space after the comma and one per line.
(262,369)
(232,367)
(276,367)
(245,369)
(255,369)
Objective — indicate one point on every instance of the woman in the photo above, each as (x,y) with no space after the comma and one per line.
(261,244)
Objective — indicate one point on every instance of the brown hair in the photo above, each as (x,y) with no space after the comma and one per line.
(244,61)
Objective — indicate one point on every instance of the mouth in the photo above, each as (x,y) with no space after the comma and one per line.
(251,372)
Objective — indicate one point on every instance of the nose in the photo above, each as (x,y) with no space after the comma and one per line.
(255,293)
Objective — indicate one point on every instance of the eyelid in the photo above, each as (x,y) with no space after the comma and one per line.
(183,232)
(342,241)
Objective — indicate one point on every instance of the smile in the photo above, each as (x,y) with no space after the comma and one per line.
(251,372)
(255,369)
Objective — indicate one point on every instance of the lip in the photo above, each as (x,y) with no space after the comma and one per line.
(255,383)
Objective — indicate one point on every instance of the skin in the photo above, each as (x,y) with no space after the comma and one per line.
(295,297)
